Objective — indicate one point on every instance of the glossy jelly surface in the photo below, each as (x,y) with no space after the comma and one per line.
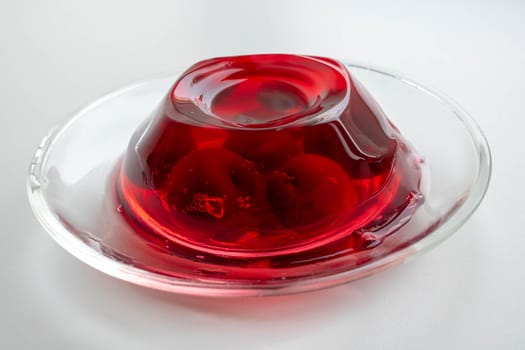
(277,157)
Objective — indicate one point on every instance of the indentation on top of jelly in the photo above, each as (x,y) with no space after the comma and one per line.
(262,102)
(271,90)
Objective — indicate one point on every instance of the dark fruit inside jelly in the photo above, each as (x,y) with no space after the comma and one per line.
(267,156)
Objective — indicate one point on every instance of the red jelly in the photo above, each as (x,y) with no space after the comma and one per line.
(267,156)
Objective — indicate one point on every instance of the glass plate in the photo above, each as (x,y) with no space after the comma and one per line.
(71,188)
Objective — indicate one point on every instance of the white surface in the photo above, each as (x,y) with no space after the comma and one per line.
(56,56)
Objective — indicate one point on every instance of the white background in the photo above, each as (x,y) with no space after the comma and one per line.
(469,293)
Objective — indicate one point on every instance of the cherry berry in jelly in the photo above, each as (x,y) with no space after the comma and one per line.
(266,155)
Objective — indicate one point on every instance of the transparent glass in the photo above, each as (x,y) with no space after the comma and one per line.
(71,188)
